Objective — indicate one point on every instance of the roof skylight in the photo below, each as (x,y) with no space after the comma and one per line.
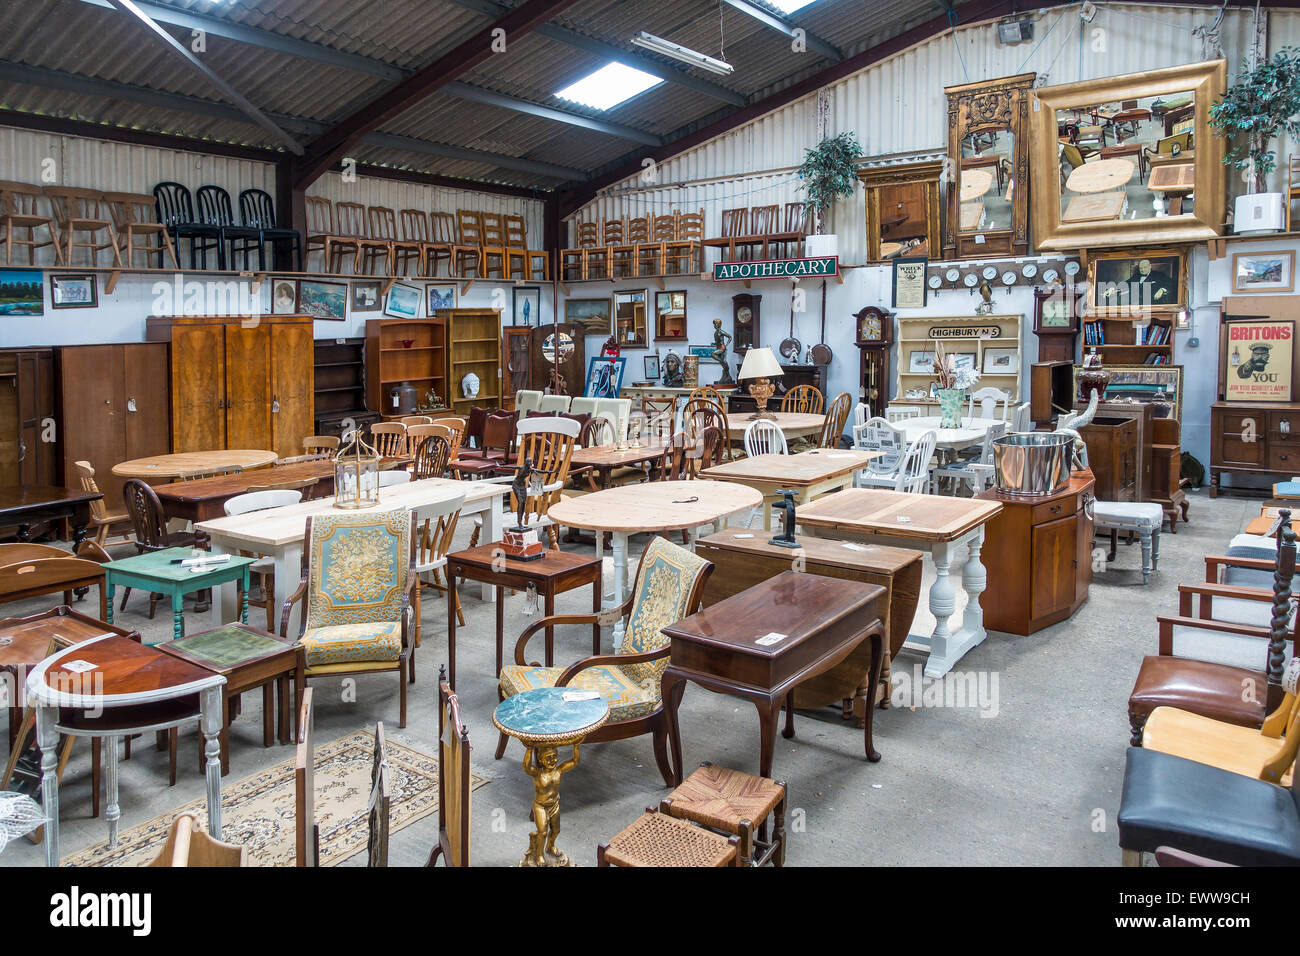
(607,87)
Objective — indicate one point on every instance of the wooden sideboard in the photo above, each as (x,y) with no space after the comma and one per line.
(1045,549)
(1257,438)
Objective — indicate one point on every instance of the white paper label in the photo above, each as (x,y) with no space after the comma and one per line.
(78,666)
(854,547)
(743,536)
(904,519)
(572,696)
(770,638)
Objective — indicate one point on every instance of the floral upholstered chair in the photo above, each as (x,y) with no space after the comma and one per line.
(669,586)
(357,580)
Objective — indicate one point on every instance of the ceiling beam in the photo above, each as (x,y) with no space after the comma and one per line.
(326,149)
(479,95)
(521,164)
(814,43)
(59,126)
(170,42)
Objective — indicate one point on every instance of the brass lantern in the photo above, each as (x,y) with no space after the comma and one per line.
(356,474)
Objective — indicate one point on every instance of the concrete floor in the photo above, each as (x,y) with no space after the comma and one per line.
(1031,777)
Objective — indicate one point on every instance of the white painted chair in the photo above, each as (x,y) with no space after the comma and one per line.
(1020,421)
(992,402)
(975,472)
(394,476)
(553,403)
(762,437)
(527,400)
(914,472)
(1143,518)
(902,413)
(617,410)
(876,434)
(260,501)
(861,413)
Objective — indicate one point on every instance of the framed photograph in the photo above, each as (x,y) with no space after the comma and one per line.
(604,377)
(284,296)
(1263,271)
(703,352)
(909,282)
(651,367)
(1138,281)
(920,362)
(366,295)
(1160,385)
(963,359)
(403,301)
(527,304)
(590,315)
(1001,362)
(442,296)
(323,300)
(1258,365)
(22,292)
(74,291)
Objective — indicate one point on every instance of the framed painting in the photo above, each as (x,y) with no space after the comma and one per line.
(366,296)
(323,300)
(403,301)
(1263,271)
(651,363)
(1141,280)
(604,377)
(74,291)
(284,296)
(590,315)
(442,296)
(1258,360)
(526,304)
(704,353)
(22,292)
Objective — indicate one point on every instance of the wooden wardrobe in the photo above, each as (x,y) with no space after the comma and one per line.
(239,382)
(26,409)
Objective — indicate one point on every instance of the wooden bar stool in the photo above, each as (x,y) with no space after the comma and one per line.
(655,839)
(737,804)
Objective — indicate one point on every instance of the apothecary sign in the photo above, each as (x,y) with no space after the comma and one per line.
(776,269)
(965,332)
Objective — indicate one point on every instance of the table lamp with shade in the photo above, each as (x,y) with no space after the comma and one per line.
(760,367)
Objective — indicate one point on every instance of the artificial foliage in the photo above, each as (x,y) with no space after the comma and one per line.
(828,173)
(1262,103)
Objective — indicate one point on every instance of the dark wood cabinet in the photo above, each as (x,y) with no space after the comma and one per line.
(114,405)
(1261,438)
(1044,557)
(27,418)
(1114,455)
(339,395)
(792,376)
(516,362)
(1051,391)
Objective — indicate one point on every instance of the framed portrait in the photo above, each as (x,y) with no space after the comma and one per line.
(604,377)
(441,296)
(323,300)
(1263,271)
(527,305)
(590,315)
(651,367)
(22,292)
(1137,281)
(74,291)
(920,362)
(284,296)
(909,282)
(403,301)
(1258,366)
(1001,362)
(366,296)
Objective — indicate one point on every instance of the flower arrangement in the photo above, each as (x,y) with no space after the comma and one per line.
(949,376)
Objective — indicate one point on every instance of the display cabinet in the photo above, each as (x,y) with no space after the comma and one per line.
(410,351)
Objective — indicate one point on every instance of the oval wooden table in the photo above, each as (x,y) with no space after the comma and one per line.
(187,464)
(1103,176)
(792,424)
(653,506)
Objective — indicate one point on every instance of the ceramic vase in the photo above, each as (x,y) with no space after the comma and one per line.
(950,404)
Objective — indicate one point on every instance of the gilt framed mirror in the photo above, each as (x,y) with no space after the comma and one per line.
(902,209)
(1128,159)
(988,169)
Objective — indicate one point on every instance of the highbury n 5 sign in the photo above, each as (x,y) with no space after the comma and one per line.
(776,269)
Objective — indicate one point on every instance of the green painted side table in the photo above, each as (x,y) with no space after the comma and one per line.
(155,572)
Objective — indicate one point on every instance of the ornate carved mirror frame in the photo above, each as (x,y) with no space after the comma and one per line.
(987,107)
(924,178)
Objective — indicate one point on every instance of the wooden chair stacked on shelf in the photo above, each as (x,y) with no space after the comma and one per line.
(20,209)
(83,212)
(175,206)
(580,261)
(133,219)
(323,237)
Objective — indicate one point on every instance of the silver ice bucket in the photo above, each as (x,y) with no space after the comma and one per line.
(1032,463)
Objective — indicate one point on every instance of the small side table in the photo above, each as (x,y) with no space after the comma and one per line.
(553,573)
(248,659)
(155,572)
(544,721)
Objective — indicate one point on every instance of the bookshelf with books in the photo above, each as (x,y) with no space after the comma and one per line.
(1129,340)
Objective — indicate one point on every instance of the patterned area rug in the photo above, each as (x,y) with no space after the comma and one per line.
(258,811)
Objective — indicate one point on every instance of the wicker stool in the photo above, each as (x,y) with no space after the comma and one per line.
(736,803)
(654,839)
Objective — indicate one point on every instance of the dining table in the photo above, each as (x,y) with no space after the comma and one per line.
(27,505)
(191,464)
(807,474)
(602,460)
(971,432)
(792,424)
(1101,176)
(278,532)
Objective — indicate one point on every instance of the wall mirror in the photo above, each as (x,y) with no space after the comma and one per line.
(630,318)
(670,315)
(902,209)
(988,162)
(1128,159)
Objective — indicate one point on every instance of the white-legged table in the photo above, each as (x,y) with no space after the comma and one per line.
(792,424)
(653,506)
(954,439)
(277,532)
(126,689)
(808,474)
(931,523)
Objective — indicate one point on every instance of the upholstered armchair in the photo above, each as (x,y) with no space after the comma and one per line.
(358,578)
(669,586)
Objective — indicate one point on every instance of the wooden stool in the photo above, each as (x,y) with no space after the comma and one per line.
(735,803)
(654,839)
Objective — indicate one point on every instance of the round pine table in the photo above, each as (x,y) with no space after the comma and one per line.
(1102,176)
(543,721)
(792,424)
(191,464)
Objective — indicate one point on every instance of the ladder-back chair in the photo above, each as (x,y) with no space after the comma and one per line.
(20,209)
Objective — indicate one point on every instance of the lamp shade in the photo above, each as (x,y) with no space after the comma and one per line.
(759,363)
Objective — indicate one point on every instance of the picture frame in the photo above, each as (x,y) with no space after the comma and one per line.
(526,305)
(1001,361)
(703,352)
(440,295)
(651,367)
(920,362)
(323,300)
(1127,281)
(284,296)
(963,359)
(402,301)
(1144,383)
(367,296)
(909,288)
(593,316)
(74,290)
(22,292)
(1259,272)
(1258,360)
(604,376)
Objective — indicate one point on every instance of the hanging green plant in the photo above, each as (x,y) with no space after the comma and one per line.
(828,174)
(1260,104)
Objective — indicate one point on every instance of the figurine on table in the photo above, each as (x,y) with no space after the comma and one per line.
(786,507)
(719,354)
(546,805)
(522,542)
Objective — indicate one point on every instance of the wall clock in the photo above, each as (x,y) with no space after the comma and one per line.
(744,322)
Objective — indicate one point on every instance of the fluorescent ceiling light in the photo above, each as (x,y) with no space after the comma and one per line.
(684,54)
(789,6)
(608,86)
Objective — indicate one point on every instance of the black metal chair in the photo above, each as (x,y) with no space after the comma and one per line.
(215,209)
(176,212)
(257,210)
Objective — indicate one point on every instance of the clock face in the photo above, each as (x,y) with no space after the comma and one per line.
(870,327)
(744,314)
(953,275)
(1056,313)
(971,279)
(935,281)
(1008,278)
(990,272)
(1050,276)
(1072,269)
(1029,270)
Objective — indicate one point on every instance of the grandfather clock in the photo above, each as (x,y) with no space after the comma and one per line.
(744,322)
(1056,322)
(875,335)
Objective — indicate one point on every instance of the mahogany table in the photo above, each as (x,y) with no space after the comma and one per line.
(761,643)
(603,459)
(553,573)
(808,474)
(113,687)
(25,506)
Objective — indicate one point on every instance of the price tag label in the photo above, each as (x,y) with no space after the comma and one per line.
(770,638)
(79,666)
